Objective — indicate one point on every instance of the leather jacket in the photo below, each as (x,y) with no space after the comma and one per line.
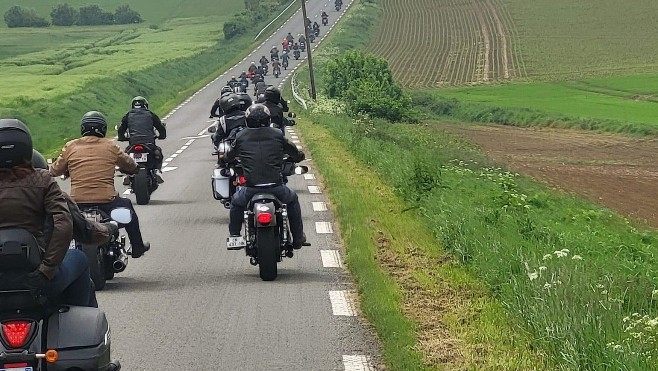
(276,112)
(261,152)
(227,124)
(90,162)
(26,203)
(139,123)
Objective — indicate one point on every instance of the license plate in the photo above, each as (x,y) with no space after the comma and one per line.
(138,157)
(71,246)
(234,242)
(17,369)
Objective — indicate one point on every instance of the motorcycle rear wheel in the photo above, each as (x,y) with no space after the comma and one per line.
(141,187)
(267,247)
(96,258)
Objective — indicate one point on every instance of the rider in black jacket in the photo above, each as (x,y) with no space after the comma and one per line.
(261,149)
(277,106)
(140,123)
(233,119)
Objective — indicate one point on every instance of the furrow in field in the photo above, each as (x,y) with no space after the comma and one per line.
(412,77)
(502,37)
(496,59)
(473,47)
(452,65)
(399,38)
(444,45)
(520,68)
(484,32)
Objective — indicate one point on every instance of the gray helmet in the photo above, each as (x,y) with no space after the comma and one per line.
(245,101)
(93,123)
(140,102)
(38,161)
(273,94)
(226,90)
(15,143)
(229,103)
(258,116)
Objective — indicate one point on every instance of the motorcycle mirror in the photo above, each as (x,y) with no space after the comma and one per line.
(299,170)
(164,124)
(121,215)
(292,114)
(291,123)
(116,127)
(212,129)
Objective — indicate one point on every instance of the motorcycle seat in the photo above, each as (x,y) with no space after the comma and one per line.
(264,197)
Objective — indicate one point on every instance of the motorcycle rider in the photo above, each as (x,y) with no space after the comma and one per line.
(285,59)
(233,82)
(245,101)
(234,118)
(276,66)
(90,161)
(285,44)
(302,41)
(261,150)
(28,197)
(325,17)
(216,110)
(259,88)
(263,61)
(252,68)
(274,52)
(316,28)
(290,38)
(339,3)
(276,106)
(140,123)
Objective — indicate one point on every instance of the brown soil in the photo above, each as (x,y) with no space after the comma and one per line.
(616,171)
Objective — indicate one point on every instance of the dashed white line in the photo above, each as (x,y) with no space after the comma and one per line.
(323,228)
(300,147)
(179,151)
(296,141)
(309,176)
(174,156)
(340,304)
(357,363)
(169,168)
(314,189)
(127,192)
(331,259)
(319,206)
(170,159)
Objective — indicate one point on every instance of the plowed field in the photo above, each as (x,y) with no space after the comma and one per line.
(616,171)
(434,43)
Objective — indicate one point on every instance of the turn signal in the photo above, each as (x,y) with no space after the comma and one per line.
(264,218)
(51,356)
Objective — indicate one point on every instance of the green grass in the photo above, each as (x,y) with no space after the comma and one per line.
(566,39)
(152,11)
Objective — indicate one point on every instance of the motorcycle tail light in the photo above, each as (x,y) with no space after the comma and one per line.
(242,180)
(138,148)
(16,333)
(264,218)
(14,365)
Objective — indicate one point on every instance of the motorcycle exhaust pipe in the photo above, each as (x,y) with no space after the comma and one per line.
(121,263)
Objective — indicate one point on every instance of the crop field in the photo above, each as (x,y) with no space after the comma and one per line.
(435,43)
(153,11)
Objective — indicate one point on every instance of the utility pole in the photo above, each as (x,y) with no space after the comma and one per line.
(308,51)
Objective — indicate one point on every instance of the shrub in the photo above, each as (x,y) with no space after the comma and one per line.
(93,15)
(125,15)
(17,16)
(64,15)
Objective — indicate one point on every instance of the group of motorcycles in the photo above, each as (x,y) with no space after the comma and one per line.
(267,239)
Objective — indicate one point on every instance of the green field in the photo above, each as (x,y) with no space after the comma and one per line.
(152,11)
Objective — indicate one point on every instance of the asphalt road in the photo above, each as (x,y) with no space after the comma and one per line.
(189,304)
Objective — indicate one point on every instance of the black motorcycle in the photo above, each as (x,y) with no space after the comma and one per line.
(285,63)
(143,184)
(110,258)
(38,333)
(227,176)
(325,21)
(296,54)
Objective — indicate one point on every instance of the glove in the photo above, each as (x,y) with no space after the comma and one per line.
(36,280)
(302,156)
(162,137)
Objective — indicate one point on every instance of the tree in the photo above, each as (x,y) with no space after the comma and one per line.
(125,15)
(251,5)
(17,16)
(64,15)
(94,15)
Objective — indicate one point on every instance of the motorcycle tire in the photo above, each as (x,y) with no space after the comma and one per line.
(96,258)
(267,247)
(141,187)
(109,270)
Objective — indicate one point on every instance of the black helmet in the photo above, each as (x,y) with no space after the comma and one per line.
(140,102)
(15,143)
(273,94)
(38,161)
(245,101)
(225,91)
(93,123)
(258,116)
(229,103)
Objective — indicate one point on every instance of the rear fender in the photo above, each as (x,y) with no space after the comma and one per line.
(265,207)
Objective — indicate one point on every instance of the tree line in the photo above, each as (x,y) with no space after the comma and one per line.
(66,15)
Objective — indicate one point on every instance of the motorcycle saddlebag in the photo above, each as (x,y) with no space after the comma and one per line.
(220,185)
(81,336)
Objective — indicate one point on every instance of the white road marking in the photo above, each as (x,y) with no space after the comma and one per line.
(323,228)
(189,142)
(170,159)
(309,176)
(174,156)
(340,304)
(164,164)
(202,132)
(294,137)
(319,206)
(126,192)
(296,141)
(300,147)
(331,259)
(357,363)
(314,189)
(169,168)
(179,151)
(184,147)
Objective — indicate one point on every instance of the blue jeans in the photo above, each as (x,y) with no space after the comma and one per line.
(72,282)
(286,195)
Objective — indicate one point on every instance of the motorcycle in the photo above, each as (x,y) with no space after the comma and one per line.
(338,6)
(285,64)
(325,21)
(38,333)
(143,184)
(226,177)
(296,54)
(302,45)
(276,71)
(267,238)
(110,258)
(316,33)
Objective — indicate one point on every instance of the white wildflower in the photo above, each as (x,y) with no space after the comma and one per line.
(548,257)
(654,293)
(560,253)
(542,268)
(533,275)
(547,286)
(576,257)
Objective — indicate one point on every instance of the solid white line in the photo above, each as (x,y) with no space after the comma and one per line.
(331,259)
(314,189)
(319,206)
(357,363)
(323,228)
(309,176)
(340,304)
(202,132)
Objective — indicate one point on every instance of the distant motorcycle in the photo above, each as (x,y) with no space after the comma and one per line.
(276,70)
(325,21)
(143,184)
(296,54)
(285,64)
